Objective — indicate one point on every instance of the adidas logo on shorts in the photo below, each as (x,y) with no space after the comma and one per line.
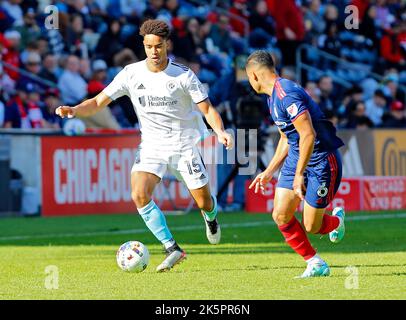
(141,86)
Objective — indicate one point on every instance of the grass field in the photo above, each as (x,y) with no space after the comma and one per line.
(252,262)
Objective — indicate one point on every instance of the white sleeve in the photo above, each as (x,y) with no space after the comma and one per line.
(195,88)
(118,87)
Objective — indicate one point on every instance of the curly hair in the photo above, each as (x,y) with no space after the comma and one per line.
(156,27)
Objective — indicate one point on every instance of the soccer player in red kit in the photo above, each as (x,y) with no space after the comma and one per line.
(311,164)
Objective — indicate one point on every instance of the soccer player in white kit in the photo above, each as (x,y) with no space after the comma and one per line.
(164,95)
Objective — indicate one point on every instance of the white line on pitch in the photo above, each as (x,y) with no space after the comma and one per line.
(186,228)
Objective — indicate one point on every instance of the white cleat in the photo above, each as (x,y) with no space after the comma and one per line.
(213,231)
(316,269)
(173,258)
(338,234)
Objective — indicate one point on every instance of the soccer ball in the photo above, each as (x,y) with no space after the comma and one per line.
(74,127)
(132,256)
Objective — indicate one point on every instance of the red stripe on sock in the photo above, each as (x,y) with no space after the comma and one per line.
(329,224)
(297,239)
(333,169)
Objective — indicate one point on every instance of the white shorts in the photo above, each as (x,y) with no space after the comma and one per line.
(187,166)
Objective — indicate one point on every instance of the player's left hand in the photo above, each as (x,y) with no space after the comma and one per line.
(299,186)
(226,139)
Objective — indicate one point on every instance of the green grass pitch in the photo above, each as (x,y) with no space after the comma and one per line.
(252,261)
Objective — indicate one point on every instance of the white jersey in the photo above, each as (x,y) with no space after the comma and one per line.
(164,103)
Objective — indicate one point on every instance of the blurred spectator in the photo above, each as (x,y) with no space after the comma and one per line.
(153,9)
(331,15)
(74,35)
(172,7)
(71,84)
(220,36)
(84,68)
(208,41)
(196,35)
(375,107)
(330,42)
(358,118)
(13,8)
(104,118)
(313,91)
(6,20)
(262,26)
(31,47)
(290,29)
(396,118)
(353,96)
(30,30)
(325,85)
(368,27)
(49,66)
(52,101)
(11,54)
(22,111)
(6,84)
(132,10)
(183,44)
(314,21)
(362,6)
(239,14)
(391,48)
(109,43)
(383,16)
(391,85)
(33,66)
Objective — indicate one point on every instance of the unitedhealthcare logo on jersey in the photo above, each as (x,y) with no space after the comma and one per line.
(154,101)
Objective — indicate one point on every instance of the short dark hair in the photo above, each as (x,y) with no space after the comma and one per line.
(262,58)
(156,27)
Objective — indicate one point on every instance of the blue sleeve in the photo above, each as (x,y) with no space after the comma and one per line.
(295,104)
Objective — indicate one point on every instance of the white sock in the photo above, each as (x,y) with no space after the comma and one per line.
(169,243)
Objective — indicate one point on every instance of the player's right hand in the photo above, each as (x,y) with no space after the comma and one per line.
(260,181)
(65,111)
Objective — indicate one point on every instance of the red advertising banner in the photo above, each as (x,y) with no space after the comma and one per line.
(260,202)
(384,193)
(348,195)
(91,175)
(87,174)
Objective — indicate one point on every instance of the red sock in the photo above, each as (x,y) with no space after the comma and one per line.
(329,224)
(296,237)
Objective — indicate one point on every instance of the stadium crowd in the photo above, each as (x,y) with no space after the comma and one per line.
(355,60)
(45,67)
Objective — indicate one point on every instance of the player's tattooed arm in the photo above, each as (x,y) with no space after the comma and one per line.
(214,120)
(86,108)
(304,127)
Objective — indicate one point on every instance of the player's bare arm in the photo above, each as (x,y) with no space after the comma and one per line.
(86,108)
(304,127)
(214,120)
(279,157)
